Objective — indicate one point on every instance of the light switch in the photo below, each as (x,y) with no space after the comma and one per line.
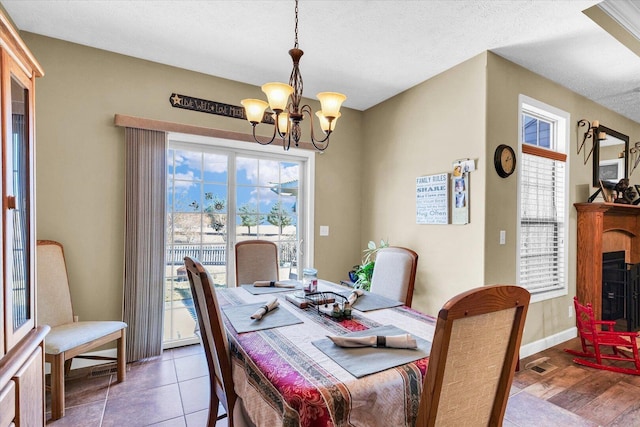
(503,237)
(324,230)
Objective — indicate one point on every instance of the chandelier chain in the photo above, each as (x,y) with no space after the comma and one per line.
(295,43)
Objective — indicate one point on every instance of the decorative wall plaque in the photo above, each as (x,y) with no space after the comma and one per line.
(432,199)
(212,107)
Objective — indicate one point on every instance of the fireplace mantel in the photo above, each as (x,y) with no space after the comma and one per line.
(603,227)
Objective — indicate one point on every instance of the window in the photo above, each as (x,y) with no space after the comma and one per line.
(542,234)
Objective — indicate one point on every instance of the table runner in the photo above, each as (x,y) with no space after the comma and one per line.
(285,380)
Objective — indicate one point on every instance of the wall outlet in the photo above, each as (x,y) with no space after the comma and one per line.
(324,230)
(570,311)
(503,237)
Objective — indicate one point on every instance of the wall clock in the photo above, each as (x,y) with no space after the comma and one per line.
(504,160)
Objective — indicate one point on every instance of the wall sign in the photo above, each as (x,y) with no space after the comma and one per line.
(212,107)
(432,199)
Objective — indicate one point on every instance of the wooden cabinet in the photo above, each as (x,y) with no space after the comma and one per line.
(22,381)
(21,342)
(603,227)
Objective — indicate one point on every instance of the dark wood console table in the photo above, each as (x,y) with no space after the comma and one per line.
(603,227)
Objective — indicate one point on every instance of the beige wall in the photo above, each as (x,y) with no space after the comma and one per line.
(468,111)
(80,161)
(506,81)
(365,183)
(422,132)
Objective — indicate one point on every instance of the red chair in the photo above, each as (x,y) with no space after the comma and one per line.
(600,342)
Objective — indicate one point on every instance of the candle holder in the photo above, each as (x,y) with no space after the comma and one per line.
(330,304)
(591,133)
(635,156)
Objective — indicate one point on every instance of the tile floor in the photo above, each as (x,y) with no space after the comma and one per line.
(172,391)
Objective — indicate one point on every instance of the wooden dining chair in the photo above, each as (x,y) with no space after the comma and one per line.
(256,260)
(216,347)
(473,357)
(394,274)
(68,338)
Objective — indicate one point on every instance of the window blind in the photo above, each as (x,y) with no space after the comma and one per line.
(542,227)
(144,265)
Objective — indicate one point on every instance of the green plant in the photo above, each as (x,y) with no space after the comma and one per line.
(249,216)
(364,271)
(279,216)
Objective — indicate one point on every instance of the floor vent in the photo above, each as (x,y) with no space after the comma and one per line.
(541,366)
(103,370)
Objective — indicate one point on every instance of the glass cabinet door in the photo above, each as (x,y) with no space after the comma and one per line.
(18,205)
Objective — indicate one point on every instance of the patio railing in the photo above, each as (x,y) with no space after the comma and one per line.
(206,254)
(217,254)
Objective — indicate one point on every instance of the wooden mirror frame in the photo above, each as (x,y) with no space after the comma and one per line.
(596,153)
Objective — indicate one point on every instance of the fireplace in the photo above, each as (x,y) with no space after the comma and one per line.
(603,228)
(620,288)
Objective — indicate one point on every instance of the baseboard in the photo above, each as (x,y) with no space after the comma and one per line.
(547,342)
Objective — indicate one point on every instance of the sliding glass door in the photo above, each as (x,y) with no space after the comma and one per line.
(267,206)
(217,196)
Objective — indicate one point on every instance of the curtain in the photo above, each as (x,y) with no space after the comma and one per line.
(144,241)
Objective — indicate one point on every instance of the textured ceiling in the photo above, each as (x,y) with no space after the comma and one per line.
(369,50)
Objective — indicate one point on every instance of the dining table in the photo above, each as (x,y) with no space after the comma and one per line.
(289,373)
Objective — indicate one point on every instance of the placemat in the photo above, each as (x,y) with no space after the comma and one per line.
(363,361)
(240,317)
(370,301)
(260,290)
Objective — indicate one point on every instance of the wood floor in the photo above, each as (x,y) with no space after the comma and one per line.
(600,398)
(172,391)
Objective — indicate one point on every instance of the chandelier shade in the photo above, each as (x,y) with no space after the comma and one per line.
(330,102)
(326,124)
(283,122)
(254,109)
(278,95)
(284,101)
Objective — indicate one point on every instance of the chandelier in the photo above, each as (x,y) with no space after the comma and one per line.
(284,101)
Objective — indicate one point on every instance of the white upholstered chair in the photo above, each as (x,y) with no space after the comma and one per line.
(68,339)
(256,260)
(394,274)
(473,357)
(216,347)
